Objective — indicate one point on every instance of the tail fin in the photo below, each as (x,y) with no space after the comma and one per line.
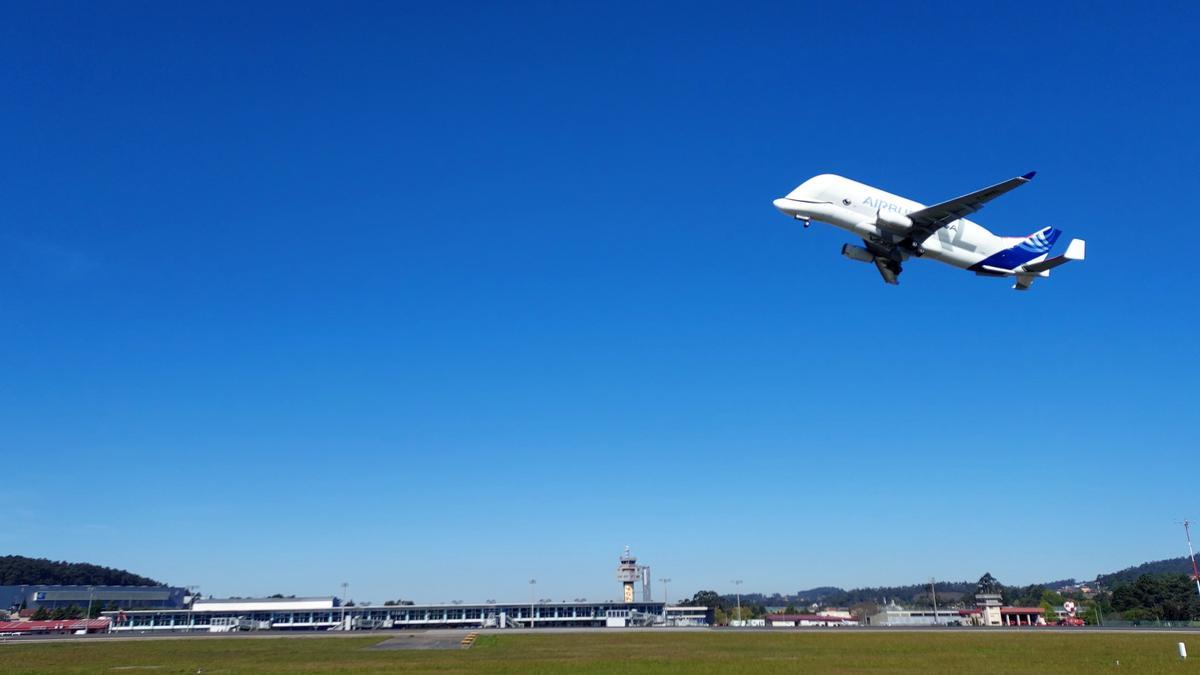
(1029,249)
(1040,242)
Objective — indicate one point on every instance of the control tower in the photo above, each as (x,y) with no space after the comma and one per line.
(627,574)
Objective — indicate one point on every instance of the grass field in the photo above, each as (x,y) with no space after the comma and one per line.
(653,652)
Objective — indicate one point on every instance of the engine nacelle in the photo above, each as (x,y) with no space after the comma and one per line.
(857,253)
(892,221)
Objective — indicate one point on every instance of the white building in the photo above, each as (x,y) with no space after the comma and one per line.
(241,605)
(327,614)
(809,620)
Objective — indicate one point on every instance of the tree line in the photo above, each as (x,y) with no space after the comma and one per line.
(18,570)
(949,591)
(1158,597)
(72,612)
(1164,596)
(1180,565)
(1148,597)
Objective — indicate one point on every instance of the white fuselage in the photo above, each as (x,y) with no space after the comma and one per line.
(864,210)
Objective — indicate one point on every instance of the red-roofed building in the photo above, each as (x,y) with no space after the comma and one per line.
(54,626)
(1023,616)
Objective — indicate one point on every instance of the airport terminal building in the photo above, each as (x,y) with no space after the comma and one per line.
(164,609)
(327,613)
(34,596)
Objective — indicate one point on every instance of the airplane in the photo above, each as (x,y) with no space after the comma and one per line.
(894,229)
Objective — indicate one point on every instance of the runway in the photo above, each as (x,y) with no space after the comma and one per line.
(450,637)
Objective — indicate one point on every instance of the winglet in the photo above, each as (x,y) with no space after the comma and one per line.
(1030,175)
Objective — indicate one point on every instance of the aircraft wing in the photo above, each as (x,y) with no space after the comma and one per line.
(933,218)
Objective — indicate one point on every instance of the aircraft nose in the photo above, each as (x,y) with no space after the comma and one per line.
(783,205)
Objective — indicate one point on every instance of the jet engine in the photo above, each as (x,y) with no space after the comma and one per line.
(857,253)
(893,222)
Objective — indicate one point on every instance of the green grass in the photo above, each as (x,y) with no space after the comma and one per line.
(650,652)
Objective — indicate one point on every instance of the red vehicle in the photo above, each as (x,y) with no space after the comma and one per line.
(1070,621)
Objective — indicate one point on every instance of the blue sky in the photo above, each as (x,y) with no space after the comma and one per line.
(435,299)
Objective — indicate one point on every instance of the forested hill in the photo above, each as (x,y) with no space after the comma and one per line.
(16,570)
(1180,565)
(833,596)
(947,591)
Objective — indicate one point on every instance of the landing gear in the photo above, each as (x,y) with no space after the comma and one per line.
(887,260)
(889,270)
(911,247)
(804,219)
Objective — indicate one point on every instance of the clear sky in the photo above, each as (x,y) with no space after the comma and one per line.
(437,298)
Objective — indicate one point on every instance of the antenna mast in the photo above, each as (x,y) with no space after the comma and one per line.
(1192,555)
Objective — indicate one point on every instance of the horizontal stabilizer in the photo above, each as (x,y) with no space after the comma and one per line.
(1075,251)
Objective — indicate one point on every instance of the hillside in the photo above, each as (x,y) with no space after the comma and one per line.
(947,591)
(1180,565)
(16,570)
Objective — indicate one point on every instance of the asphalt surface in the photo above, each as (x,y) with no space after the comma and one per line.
(450,638)
(423,640)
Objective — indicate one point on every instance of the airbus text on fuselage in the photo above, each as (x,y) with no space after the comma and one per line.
(894,229)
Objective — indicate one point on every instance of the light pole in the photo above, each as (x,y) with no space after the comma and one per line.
(665,581)
(737,584)
(933,590)
(532,583)
(191,605)
(345,597)
(88,616)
